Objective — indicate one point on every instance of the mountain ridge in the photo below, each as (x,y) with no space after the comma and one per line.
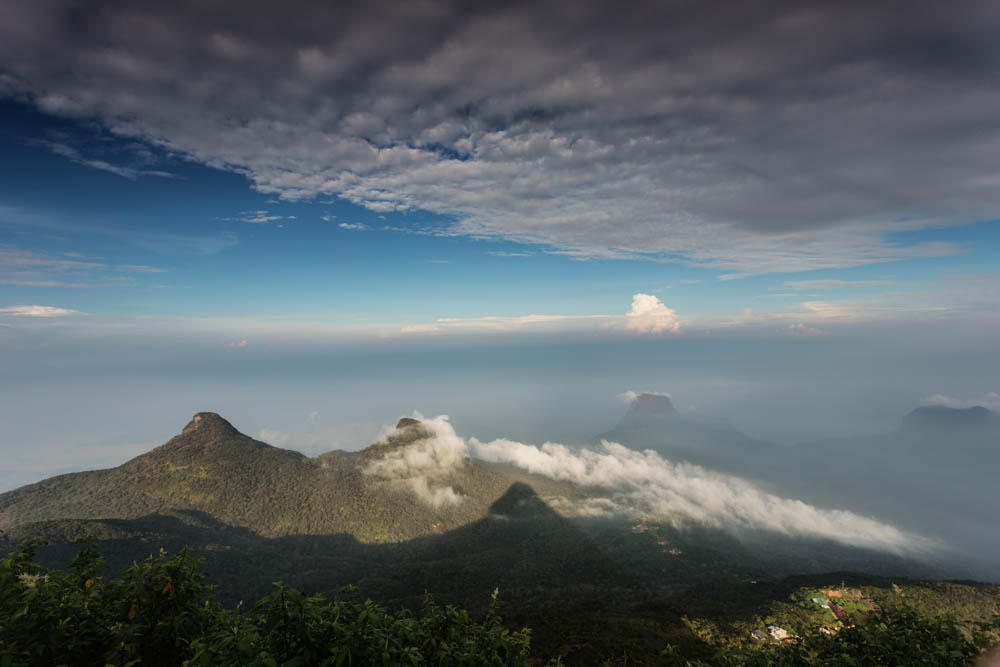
(212,467)
(944,417)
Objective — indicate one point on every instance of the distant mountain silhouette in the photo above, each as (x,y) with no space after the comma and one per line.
(645,406)
(652,422)
(941,417)
(936,472)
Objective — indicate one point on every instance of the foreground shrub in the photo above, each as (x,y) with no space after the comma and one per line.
(162,612)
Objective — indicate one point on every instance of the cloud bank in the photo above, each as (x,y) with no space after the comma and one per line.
(646,482)
(749,137)
(647,316)
(624,480)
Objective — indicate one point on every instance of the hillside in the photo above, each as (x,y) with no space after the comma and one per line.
(934,472)
(212,468)
(413,513)
(418,492)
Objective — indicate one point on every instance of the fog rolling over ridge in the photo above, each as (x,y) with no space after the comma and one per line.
(645,482)
(913,502)
(624,481)
(923,490)
(933,474)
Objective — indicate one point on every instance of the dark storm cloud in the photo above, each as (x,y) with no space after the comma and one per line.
(747,136)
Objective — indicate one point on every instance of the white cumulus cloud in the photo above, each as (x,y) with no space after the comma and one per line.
(649,315)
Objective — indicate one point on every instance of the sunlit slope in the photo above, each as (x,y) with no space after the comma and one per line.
(213,468)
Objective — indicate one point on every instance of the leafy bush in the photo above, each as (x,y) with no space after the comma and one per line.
(161,612)
(288,628)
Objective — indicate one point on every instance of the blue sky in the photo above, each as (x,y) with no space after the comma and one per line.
(526,211)
(202,242)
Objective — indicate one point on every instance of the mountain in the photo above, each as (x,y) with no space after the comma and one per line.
(943,418)
(261,513)
(652,422)
(934,447)
(412,513)
(935,472)
(409,512)
(648,408)
(212,468)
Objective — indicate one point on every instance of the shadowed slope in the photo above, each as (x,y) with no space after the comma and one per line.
(521,545)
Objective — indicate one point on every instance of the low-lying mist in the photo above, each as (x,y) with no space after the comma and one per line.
(620,480)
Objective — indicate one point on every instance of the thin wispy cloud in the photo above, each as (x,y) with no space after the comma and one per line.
(37,311)
(990,400)
(259,217)
(647,316)
(27,268)
(420,329)
(162,243)
(836,284)
(800,329)
(140,268)
(74,155)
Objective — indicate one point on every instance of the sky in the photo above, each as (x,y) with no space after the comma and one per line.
(315,217)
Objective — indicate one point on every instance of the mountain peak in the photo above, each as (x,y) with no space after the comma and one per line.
(209,435)
(208,421)
(407,432)
(521,502)
(651,404)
